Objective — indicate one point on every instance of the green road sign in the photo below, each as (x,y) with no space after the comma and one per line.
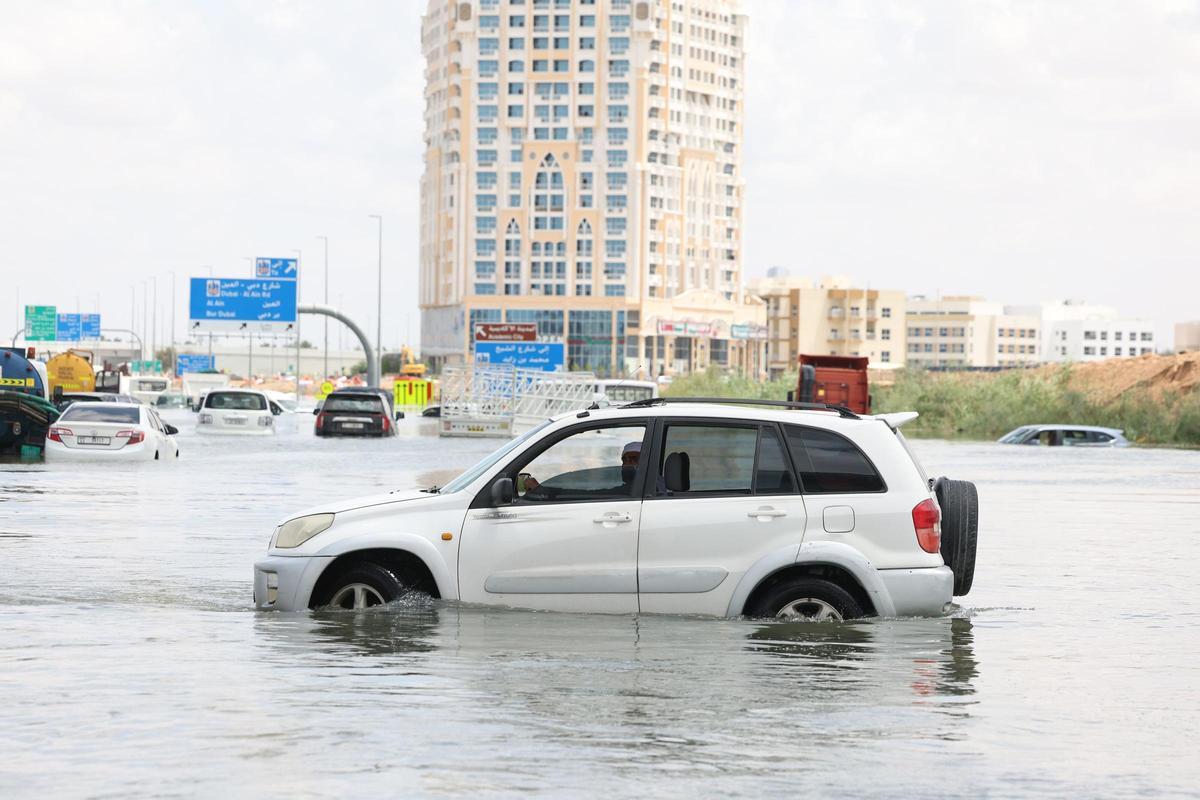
(146,367)
(41,323)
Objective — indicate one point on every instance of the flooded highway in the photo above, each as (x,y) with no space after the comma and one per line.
(133,662)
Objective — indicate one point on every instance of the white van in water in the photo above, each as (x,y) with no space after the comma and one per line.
(659,506)
(147,388)
(237,411)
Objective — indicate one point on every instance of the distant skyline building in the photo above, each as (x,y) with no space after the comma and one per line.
(583,170)
(965,331)
(1073,330)
(829,316)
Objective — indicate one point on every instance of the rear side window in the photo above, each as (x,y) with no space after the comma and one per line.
(101,412)
(1099,437)
(829,463)
(710,458)
(772,474)
(236,401)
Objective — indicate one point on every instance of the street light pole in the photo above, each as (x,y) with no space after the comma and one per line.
(299,258)
(145,316)
(154,321)
(325,239)
(379,304)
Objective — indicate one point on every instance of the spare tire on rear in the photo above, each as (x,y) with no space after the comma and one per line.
(960,529)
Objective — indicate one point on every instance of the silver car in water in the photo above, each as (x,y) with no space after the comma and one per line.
(1066,435)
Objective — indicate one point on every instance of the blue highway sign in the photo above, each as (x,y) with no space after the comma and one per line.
(187,362)
(68,328)
(89,326)
(547,356)
(238,300)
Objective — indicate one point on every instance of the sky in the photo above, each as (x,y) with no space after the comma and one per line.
(1020,150)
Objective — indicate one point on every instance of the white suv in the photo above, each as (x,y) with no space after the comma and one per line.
(659,506)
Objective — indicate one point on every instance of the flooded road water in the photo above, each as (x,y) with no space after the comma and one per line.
(133,662)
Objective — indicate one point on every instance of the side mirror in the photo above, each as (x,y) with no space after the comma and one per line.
(399,415)
(276,410)
(316,411)
(502,492)
(171,430)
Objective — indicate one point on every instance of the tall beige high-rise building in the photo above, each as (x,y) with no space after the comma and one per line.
(583,170)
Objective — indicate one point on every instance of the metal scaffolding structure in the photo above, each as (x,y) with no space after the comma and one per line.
(502,400)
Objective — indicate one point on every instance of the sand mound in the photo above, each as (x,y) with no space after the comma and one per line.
(1105,381)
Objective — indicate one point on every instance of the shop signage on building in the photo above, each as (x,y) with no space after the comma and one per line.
(747,330)
(669,327)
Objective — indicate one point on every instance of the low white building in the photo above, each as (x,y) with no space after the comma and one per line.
(1072,330)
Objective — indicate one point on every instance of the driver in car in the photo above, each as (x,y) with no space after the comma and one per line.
(630,455)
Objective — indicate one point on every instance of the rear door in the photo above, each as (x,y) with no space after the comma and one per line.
(723,496)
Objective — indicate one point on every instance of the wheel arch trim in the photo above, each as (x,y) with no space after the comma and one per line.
(836,554)
(417,546)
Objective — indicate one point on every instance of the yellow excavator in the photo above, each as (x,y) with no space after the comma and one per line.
(409,366)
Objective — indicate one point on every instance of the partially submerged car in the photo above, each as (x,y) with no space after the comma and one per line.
(658,506)
(1066,435)
(90,431)
(237,411)
(355,412)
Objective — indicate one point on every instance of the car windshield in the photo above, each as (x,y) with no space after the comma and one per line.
(488,462)
(361,404)
(101,412)
(1015,436)
(237,401)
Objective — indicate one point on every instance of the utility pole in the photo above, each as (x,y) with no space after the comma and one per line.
(325,239)
(379,304)
(145,316)
(154,322)
(173,306)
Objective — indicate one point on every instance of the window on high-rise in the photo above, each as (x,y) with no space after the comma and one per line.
(587,20)
(587,65)
(541,43)
(587,88)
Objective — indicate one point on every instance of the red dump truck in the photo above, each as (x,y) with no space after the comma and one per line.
(838,380)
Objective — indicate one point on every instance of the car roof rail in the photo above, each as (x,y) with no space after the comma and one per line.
(841,411)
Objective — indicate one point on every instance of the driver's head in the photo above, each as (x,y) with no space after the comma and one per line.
(630,454)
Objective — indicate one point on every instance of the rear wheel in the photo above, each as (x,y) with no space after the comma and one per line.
(805,598)
(959,502)
(362,585)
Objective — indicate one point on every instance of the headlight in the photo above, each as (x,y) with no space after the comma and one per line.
(296,532)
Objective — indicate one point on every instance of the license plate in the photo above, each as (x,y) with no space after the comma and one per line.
(101,440)
(235,421)
(355,425)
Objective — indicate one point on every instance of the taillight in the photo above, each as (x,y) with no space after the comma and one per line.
(133,437)
(321,420)
(56,434)
(927,522)
(387,423)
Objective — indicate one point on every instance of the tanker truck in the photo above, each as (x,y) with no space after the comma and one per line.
(26,412)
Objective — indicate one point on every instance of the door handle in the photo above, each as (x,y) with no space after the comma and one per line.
(612,518)
(765,513)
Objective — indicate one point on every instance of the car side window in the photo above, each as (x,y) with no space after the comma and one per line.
(592,464)
(829,463)
(772,475)
(707,458)
(1074,437)
(1098,437)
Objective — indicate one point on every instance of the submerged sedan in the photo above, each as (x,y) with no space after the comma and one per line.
(359,412)
(111,432)
(1066,435)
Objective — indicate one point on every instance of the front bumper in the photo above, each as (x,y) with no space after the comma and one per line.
(285,583)
(919,592)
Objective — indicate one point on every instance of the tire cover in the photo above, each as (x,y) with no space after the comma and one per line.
(959,502)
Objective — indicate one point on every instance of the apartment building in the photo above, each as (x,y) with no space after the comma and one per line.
(829,316)
(969,332)
(1073,330)
(583,170)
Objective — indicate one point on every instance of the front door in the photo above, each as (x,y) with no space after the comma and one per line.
(568,541)
(724,496)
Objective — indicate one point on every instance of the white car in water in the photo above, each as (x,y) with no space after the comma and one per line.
(658,506)
(237,411)
(111,432)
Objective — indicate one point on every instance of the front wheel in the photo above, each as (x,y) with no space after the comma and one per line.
(804,598)
(363,585)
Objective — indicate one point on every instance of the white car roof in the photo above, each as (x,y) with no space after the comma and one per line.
(738,411)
